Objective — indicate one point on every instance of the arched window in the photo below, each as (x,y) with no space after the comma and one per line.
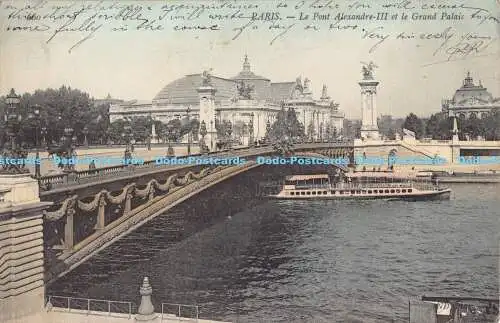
(461,116)
(484,115)
(473,115)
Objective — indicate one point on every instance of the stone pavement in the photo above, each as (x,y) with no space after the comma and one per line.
(76,316)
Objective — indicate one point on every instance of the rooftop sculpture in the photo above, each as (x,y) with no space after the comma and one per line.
(244,90)
(206,78)
(368,70)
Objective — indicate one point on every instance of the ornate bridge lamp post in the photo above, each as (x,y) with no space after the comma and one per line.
(170,134)
(68,141)
(188,110)
(268,129)
(12,119)
(229,132)
(85,133)
(250,129)
(44,136)
(35,114)
(211,136)
(203,133)
(321,132)
(127,129)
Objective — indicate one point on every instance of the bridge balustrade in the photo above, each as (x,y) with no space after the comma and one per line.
(90,306)
(180,311)
(49,182)
(66,180)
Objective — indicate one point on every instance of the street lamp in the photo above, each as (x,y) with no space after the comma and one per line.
(190,130)
(126,135)
(170,133)
(12,119)
(268,130)
(68,141)
(250,125)
(211,135)
(229,132)
(321,132)
(35,114)
(44,136)
(203,133)
(85,133)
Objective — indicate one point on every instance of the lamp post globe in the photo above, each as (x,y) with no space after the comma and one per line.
(12,119)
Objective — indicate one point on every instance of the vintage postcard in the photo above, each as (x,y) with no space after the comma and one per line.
(249,161)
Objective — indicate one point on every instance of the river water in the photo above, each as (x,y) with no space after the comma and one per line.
(314,261)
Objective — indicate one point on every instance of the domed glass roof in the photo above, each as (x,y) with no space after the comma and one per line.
(470,91)
(247,74)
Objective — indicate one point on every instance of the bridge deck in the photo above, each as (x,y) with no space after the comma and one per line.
(64,182)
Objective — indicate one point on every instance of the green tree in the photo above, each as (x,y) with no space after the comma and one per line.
(60,108)
(285,130)
(295,128)
(385,125)
(391,134)
(492,125)
(438,126)
(351,129)
(415,124)
(116,129)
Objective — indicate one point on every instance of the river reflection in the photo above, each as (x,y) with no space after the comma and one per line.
(316,261)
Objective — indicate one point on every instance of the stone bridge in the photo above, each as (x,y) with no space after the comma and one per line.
(89,215)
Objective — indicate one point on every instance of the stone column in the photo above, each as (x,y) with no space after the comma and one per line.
(22,289)
(146,312)
(206,94)
(369,127)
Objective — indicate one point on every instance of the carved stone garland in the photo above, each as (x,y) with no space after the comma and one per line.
(101,199)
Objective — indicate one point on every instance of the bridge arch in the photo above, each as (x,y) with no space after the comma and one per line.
(158,199)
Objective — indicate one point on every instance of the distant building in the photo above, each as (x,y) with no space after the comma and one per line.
(107,101)
(246,99)
(471,101)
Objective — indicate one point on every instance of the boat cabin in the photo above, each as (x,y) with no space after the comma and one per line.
(297,182)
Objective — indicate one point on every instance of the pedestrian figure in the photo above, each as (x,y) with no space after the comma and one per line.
(127,156)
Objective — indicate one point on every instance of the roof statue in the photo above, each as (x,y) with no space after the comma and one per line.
(299,84)
(368,70)
(324,92)
(206,78)
(244,90)
(246,64)
(307,84)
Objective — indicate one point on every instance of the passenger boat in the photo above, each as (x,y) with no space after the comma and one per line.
(321,187)
(453,309)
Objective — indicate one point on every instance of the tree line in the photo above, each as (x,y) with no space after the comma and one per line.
(440,126)
(72,108)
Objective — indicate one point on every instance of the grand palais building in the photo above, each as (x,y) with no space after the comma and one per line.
(471,101)
(244,99)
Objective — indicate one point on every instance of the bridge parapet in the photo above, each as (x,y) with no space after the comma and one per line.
(70,181)
(50,182)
